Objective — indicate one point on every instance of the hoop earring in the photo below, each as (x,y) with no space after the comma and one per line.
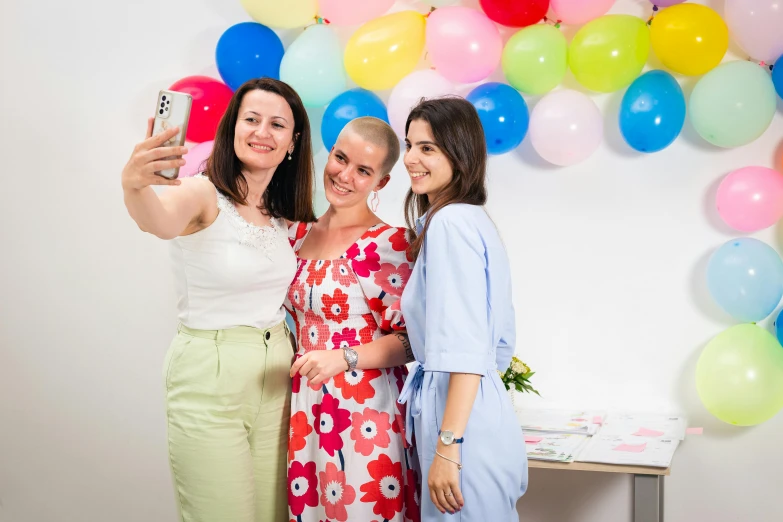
(374,200)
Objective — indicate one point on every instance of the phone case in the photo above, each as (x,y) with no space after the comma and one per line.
(172,110)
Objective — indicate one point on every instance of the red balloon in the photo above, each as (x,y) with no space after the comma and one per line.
(515,13)
(210,100)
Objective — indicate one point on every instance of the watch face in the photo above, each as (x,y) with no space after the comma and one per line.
(446,437)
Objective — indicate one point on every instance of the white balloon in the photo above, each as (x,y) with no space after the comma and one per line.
(566,127)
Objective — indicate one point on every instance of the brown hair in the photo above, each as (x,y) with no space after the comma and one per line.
(290,191)
(458,133)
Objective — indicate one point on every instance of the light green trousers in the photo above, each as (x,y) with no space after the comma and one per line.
(228,402)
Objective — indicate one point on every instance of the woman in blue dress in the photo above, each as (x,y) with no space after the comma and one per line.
(460,320)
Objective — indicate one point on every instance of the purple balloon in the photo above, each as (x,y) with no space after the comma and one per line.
(666,3)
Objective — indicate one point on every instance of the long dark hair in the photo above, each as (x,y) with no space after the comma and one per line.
(290,191)
(457,130)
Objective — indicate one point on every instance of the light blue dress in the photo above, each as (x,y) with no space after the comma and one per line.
(460,318)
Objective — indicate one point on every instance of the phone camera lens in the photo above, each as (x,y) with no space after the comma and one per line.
(164,98)
(160,111)
(167,108)
(168,101)
(162,104)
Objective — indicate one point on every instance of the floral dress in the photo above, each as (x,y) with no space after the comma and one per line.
(348,458)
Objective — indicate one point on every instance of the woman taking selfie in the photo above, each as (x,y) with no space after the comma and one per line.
(460,319)
(227,370)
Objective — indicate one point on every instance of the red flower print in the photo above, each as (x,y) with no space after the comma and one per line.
(364,264)
(335,306)
(335,493)
(386,487)
(356,384)
(299,429)
(376,305)
(301,231)
(345,339)
(342,273)
(370,429)
(302,487)
(316,332)
(296,294)
(316,272)
(392,278)
(399,240)
(296,383)
(330,421)
(376,230)
(412,510)
(366,334)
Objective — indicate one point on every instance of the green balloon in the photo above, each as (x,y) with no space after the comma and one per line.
(609,52)
(733,104)
(535,59)
(739,375)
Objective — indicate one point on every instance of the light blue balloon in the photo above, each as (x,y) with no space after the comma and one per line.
(313,66)
(745,277)
(346,107)
(779,327)
(652,112)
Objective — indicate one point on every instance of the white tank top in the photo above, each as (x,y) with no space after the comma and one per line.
(232,273)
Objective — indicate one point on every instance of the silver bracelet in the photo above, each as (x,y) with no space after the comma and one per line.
(459,466)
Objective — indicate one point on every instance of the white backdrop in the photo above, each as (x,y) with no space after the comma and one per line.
(609,259)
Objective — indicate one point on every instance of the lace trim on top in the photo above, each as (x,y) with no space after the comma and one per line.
(265,238)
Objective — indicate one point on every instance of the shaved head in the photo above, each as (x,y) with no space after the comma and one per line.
(379,133)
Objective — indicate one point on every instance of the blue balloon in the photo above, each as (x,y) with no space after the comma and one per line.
(652,112)
(778,325)
(503,113)
(246,51)
(346,107)
(777,76)
(745,277)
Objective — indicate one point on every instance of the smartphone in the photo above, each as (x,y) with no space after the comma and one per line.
(172,110)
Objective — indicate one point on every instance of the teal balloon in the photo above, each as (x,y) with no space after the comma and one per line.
(745,277)
(733,104)
(313,66)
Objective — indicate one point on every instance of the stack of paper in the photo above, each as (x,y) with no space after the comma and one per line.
(557,447)
(561,421)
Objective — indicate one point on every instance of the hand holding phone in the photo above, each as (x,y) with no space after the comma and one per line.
(172,111)
(152,156)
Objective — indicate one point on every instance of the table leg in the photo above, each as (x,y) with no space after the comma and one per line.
(647,498)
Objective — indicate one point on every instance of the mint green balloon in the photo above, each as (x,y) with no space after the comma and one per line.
(313,66)
(608,53)
(739,376)
(535,59)
(733,104)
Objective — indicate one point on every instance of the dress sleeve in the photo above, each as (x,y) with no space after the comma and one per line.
(296,232)
(383,269)
(456,336)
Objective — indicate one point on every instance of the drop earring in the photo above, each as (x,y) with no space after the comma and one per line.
(289,155)
(374,200)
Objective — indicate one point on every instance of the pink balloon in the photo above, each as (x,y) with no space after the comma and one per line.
(751,198)
(579,11)
(352,12)
(195,158)
(407,93)
(666,3)
(566,127)
(463,44)
(757,26)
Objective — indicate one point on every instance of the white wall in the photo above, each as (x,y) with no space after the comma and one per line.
(609,259)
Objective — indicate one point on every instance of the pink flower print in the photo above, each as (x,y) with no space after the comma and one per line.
(363,265)
(345,339)
(296,294)
(370,429)
(392,279)
(342,273)
(330,422)
(335,493)
(316,332)
(302,487)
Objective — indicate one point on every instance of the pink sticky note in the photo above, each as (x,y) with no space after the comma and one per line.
(598,420)
(644,432)
(632,448)
(532,440)
(694,431)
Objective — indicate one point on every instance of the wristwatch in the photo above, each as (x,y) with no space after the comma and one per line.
(447,438)
(351,357)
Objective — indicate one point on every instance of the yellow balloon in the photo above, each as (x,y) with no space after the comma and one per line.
(689,38)
(282,14)
(385,50)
